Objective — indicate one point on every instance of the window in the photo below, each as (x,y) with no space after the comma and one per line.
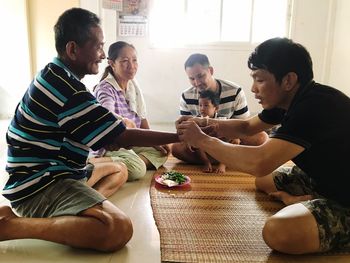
(182,22)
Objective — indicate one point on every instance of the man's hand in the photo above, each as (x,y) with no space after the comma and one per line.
(189,132)
(211,130)
(199,120)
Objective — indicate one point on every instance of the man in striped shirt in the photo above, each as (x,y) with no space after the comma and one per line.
(55,125)
(233,104)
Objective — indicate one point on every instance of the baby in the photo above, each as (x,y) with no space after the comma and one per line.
(208,107)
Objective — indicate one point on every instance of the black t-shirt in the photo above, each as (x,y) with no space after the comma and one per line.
(318,120)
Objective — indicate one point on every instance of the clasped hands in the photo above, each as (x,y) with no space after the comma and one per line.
(193,130)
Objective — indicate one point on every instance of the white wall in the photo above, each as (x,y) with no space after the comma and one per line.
(162,77)
(340,59)
(14,66)
(26,46)
(42,17)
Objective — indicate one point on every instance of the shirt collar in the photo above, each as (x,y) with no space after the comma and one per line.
(59,63)
(111,80)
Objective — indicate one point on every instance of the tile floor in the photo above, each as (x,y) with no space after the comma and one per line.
(132,198)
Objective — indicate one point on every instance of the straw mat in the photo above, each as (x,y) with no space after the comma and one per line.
(217,218)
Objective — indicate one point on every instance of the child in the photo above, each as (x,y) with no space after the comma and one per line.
(208,107)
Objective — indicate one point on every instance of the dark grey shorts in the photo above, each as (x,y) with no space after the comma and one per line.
(333,219)
(63,197)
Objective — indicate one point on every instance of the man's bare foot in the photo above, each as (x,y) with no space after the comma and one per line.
(289,199)
(6,214)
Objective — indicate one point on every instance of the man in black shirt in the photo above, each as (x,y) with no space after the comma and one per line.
(314,132)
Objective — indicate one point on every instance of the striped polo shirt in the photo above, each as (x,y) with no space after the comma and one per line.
(112,97)
(233,103)
(55,125)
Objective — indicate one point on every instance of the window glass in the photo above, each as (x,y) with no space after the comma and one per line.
(236,19)
(203,21)
(179,22)
(269,19)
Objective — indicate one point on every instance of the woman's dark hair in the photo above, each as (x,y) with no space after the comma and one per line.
(74,25)
(113,54)
(197,58)
(280,56)
(210,95)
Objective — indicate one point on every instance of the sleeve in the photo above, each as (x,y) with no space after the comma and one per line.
(240,110)
(85,121)
(183,106)
(300,125)
(273,116)
(104,96)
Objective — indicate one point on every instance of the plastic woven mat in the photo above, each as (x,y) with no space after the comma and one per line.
(217,218)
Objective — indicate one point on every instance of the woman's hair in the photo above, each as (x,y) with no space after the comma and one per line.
(113,54)
(74,25)
(280,56)
(210,95)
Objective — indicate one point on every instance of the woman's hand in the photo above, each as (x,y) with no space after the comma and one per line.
(129,123)
(164,149)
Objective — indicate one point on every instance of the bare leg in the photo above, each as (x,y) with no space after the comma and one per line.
(94,160)
(108,177)
(102,227)
(292,230)
(267,185)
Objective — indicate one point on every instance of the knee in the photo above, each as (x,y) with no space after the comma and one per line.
(121,172)
(117,234)
(136,170)
(275,235)
(178,150)
(260,184)
(175,149)
(265,183)
(124,171)
(257,182)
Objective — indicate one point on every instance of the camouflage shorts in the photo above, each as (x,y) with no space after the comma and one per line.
(333,219)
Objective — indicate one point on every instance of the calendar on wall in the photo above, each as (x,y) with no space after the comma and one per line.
(113,4)
(132,26)
(132,21)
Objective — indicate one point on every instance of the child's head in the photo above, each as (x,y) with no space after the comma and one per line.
(208,103)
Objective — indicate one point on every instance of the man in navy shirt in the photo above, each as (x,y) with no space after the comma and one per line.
(313,130)
(55,125)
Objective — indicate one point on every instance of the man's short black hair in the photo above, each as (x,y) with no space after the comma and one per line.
(74,25)
(197,58)
(280,56)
